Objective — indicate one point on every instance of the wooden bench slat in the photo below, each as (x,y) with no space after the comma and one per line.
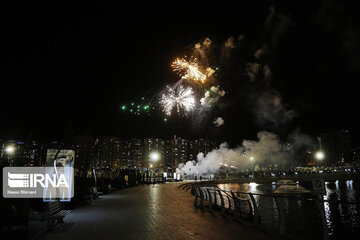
(56,214)
(61,213)
(56,211)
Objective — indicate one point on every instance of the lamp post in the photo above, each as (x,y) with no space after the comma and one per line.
(153,157)
(319,156)
(9,150)
(252,160)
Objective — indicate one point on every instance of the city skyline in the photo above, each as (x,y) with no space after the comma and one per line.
(136,153)
(109,152)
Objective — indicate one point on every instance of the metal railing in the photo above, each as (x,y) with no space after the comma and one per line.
(295,216)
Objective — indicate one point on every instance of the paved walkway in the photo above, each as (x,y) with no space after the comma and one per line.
(159,211)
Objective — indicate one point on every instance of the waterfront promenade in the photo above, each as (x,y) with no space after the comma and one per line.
(160,211)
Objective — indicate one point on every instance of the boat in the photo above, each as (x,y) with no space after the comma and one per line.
(291,189)
(285,182)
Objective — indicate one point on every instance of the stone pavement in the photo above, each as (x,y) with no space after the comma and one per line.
(160,211)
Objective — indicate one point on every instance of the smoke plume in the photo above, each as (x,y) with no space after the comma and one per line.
(276,24)
(252,70)
(230,42)
(202,51)
(268,149)
(267,72)
(270,109)
(228,46)
(212,96)
(219,121)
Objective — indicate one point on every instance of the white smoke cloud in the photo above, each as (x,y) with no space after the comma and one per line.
(252,70)
(282,25)
(228,46)
(276,24)
(270,17)
(268,149)
(258,53)
(299,139)
(207,42)
(197,45)
(212,96)
(219,121)
(212,162)
(203,52)
(270,109)
(267,72)
(230,42)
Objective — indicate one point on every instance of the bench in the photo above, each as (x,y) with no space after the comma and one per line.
(88,197)
(110,188)
(95,193)
(56,214)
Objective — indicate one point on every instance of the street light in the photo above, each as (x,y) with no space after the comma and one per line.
(319,155)
(10,149)
(154,156)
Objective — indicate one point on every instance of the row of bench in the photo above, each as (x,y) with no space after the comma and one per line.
(50,215)
(56,214)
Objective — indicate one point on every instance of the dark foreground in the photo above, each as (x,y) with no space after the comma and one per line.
(159,211)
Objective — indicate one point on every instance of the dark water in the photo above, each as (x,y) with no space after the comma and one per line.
(341,208)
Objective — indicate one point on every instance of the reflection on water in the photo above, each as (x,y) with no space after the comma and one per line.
(341,206)
(342,209)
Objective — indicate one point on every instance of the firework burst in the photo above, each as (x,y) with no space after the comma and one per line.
(138,107)
(189,70)
(180,98)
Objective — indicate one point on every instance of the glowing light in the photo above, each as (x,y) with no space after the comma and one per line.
(123,107)
(252,186)
(180,98)
(252,158)
(154,156)
(209,71)
(10,149)
(319,155)
(189,70)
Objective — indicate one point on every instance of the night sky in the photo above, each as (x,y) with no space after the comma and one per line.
(66,68)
